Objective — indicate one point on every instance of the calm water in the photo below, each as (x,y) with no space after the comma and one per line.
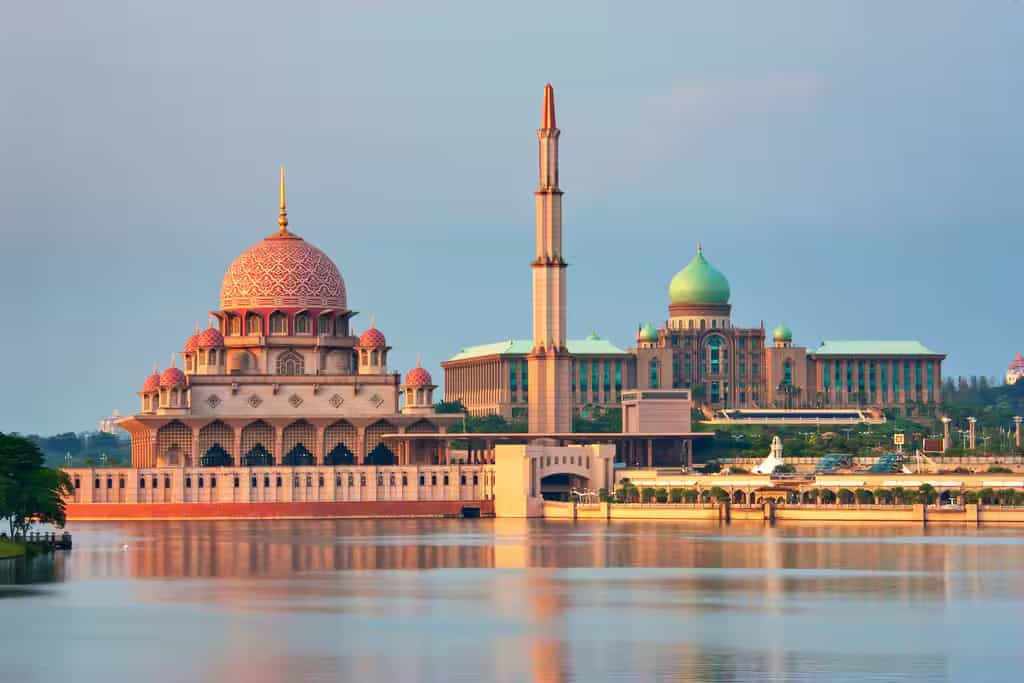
(500,600)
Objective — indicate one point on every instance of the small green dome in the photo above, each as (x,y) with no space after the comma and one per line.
(699,283)
(647,333)
(782,334)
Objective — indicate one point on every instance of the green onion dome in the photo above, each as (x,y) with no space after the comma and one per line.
(782,334)
(647,333)
(699,283)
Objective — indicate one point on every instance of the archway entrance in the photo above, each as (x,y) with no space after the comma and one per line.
(558,486)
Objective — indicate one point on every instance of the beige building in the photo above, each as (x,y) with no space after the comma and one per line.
(492,379)
(282,379)
(903,377)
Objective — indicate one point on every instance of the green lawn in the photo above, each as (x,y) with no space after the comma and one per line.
(10,549)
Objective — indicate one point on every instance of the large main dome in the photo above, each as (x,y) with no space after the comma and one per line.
(283,271)
(699,283)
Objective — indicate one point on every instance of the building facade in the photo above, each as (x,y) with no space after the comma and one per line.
(903,377)
(1015,370)
(281,379)
(493,379)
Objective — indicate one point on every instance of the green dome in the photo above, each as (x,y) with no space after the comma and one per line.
(782,334)
(647,333)
(699,283)
(593,336)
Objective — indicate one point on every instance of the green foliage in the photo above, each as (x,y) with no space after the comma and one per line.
(602,494)
(883,496)
(996,469)
(676,495)
(927,494)
(718,493)
(600,420)
(449,407)
(647,494)
(784,469)
(487,424)
(11,549)
(28,489)
(971,497)
(846,496)
(661,495)
(864,497)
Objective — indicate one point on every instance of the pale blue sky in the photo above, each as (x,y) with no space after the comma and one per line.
(853,167)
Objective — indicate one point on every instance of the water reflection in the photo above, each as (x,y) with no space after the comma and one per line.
(518,600)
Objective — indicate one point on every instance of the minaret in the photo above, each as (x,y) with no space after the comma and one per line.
(550,399)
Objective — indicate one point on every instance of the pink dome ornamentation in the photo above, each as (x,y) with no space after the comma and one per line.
(372,339)
(211,338)
(192,344)
(152,383)
(418,377)
(283,271)
(173,377)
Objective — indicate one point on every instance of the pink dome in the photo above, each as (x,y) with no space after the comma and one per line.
(152,383)
(192,344)
(172,377)
(372,338)
(282,271)
(211,338)
(418,377)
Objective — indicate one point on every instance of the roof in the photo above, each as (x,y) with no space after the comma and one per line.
(873,348)
(521,347)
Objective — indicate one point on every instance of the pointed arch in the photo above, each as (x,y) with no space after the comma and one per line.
(291,363)
(257,444)
(374,436)
(341,441)
(219,434)
(174,444)
(298,440)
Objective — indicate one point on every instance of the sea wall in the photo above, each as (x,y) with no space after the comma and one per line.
(81,512)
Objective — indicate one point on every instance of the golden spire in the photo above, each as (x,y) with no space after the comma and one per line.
(547,119)
(282,218)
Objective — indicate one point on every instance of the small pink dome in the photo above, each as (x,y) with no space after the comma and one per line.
(173,377)
(372,338)
(152,383)
(211,338)
(192,344)
(418,377)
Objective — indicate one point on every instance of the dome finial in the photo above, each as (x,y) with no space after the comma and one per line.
(282,218)
(700,248)
(373,321)
(419,360)
(547,119)
(174,358)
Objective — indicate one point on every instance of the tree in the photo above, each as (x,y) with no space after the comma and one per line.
(449,407)
(719,494)
(646,494)
(864,497)
(661,495)
(927,494)
(883,496)
(676,495)
(29,491)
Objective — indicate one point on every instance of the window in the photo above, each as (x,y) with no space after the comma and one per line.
(302,324)
(787,373)
(423,480)
(405,479)
(188,482)
(320,480)
(445,478)
(120,483)
(96,483)
(653,372)
(475,479)
(266,481)
(362,480)
(279,481)
(142,483)
(433,479)
(167,482)
(278,323)
(290,363)
(351,479)
(213,481)
(323,326)
(253,325)
(252,481)
(200,482)
(309,481)
(462,480)
(236,326)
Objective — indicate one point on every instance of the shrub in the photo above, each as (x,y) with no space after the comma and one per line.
(996,469)
(676,495)
(661,495)
(883,496)
(971,497)
(602,494)
(646,494)
(690,495)
(927,494)
(784,469)
(718,493)
(864,497)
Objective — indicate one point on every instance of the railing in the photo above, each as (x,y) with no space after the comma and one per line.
(50,539)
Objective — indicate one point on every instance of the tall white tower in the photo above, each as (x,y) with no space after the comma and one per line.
(550,402)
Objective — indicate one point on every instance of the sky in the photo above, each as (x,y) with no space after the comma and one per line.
(854,168)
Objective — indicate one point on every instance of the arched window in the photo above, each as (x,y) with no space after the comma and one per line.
(253,325)
(302,324)
(341,327)
(714,352)
(654,379)
(211,357)
(787,373)
(278,323)
(323,326)
(236,326)
(290,363)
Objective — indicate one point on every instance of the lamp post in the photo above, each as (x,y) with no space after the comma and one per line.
(971,421)
(946,441)
(1016,432)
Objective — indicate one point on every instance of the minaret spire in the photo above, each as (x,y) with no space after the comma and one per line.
(282,218)
(547,118)
(550,402)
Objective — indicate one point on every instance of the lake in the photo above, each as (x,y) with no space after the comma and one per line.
(515,600)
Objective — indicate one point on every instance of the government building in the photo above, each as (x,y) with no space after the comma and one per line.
(727,367)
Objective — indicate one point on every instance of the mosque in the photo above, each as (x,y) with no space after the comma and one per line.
(281,379)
